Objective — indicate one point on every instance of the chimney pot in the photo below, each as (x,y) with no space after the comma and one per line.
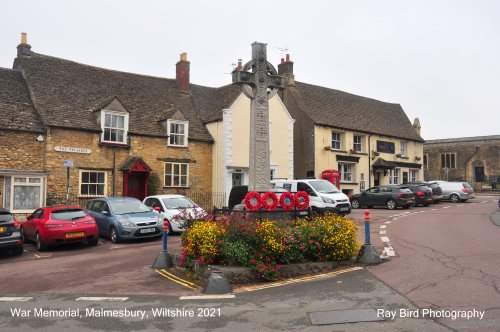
(184,56)
(240,62)
(288,58)
(24,38)
(282,60)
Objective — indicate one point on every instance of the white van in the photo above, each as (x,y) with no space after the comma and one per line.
(323,195)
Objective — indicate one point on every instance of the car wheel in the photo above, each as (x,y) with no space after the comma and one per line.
(23,236)
(93,241)
(454,198)
(113,235)
(355,204)
(40,245)
(18,251)
(391,205)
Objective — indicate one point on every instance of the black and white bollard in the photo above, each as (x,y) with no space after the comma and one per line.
(163,260)
(368,254)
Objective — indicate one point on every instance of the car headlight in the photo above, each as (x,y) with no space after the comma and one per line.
(328,200)
(126,223)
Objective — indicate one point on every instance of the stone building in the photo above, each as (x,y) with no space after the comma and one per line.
(74,131)
(472,159)
(369,142)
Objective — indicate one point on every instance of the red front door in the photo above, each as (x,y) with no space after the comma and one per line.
(137,185)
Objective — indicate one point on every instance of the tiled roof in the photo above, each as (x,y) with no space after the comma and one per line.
(347,111)
(211,102)
(67,94)
(16,110)
(463,139)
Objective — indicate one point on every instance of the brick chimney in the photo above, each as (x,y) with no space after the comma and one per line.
(285,68)
(182,73)
(24,49)
(240,64)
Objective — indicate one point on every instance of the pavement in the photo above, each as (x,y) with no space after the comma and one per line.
(281,308)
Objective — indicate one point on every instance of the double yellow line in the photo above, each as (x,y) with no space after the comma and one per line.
(178,280)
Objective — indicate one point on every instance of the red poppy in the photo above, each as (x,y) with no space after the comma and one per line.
(253,201)
(287,201)
(269,201)
(302,199)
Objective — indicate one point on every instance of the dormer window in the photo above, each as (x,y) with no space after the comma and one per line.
(114,127)
(178,133)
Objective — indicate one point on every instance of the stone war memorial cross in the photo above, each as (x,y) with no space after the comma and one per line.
(259,85)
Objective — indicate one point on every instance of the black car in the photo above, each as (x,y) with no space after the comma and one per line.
(390,196)
(10,233)
(437,192)
(422,192)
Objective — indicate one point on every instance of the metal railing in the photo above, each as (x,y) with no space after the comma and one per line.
(207,200)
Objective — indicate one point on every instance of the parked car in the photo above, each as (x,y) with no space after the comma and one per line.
(58,225)
(124,218)
(10,233)
(391,196)
(324,196)
(456,191)
(175,209)
(437,192)
(422,192)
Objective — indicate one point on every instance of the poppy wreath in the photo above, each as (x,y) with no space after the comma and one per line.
(302,199)
(287,201)
(269,201)
(253,201)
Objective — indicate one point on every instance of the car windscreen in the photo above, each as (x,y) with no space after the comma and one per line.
(67,214)
(324,187)
(128,207)
(174,203)
(5,216)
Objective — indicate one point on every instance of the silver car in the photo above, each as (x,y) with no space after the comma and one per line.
(456,191)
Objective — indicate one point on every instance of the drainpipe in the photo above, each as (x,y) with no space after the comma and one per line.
(113,171)
(369,163)
(467,161)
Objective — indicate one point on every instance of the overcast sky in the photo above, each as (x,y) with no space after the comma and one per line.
(439,59)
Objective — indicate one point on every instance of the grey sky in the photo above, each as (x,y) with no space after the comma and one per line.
(439,59)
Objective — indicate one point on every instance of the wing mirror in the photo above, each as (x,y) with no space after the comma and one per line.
(157,209)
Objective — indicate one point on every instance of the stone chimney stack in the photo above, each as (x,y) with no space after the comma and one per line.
(182,73)
(416,125)
(24,49)
(285,68)
(240,64)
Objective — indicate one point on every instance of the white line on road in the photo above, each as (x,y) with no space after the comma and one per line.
(433,209)
(384,239)
(460,205)
(383,226)
(15,299)
(382,232)
(208,297)
(104,299)
(446,207)
(484,202)
(388,222)
(115,247)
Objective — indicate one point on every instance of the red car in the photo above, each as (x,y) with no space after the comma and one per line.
(60,224)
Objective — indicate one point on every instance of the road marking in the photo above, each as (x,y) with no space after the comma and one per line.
(41,256)
(446,207)
(384,239)
(394,218)
(208,297)
(15,299)
(178,280)
(103,299)
(388,222)
(293,281)
(460,205)
(484,202)
(389,251)
(383,226)
(433,209)
(115,247)
(382,232)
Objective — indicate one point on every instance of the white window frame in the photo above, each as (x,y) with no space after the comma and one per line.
(125,126)
(413,175)
(360,143)
(346,172)
(41,184)
(172,134)
(173,175)
(394,176)
(80,183)
(403,148)
(337,140)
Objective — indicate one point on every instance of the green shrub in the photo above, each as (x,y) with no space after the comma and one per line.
(153,184)
(236,252)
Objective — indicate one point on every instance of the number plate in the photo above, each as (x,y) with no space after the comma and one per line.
(75,234)
(148,230)
(344,209)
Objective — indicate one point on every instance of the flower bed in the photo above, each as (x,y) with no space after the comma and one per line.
(265,246)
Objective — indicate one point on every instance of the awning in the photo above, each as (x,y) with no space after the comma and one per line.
(135,164)
(383,164)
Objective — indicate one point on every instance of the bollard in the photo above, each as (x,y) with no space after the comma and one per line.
(367,227)
(368,255)
(163,260)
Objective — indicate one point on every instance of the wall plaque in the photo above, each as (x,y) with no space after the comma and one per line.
(71,149)
(387,147)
